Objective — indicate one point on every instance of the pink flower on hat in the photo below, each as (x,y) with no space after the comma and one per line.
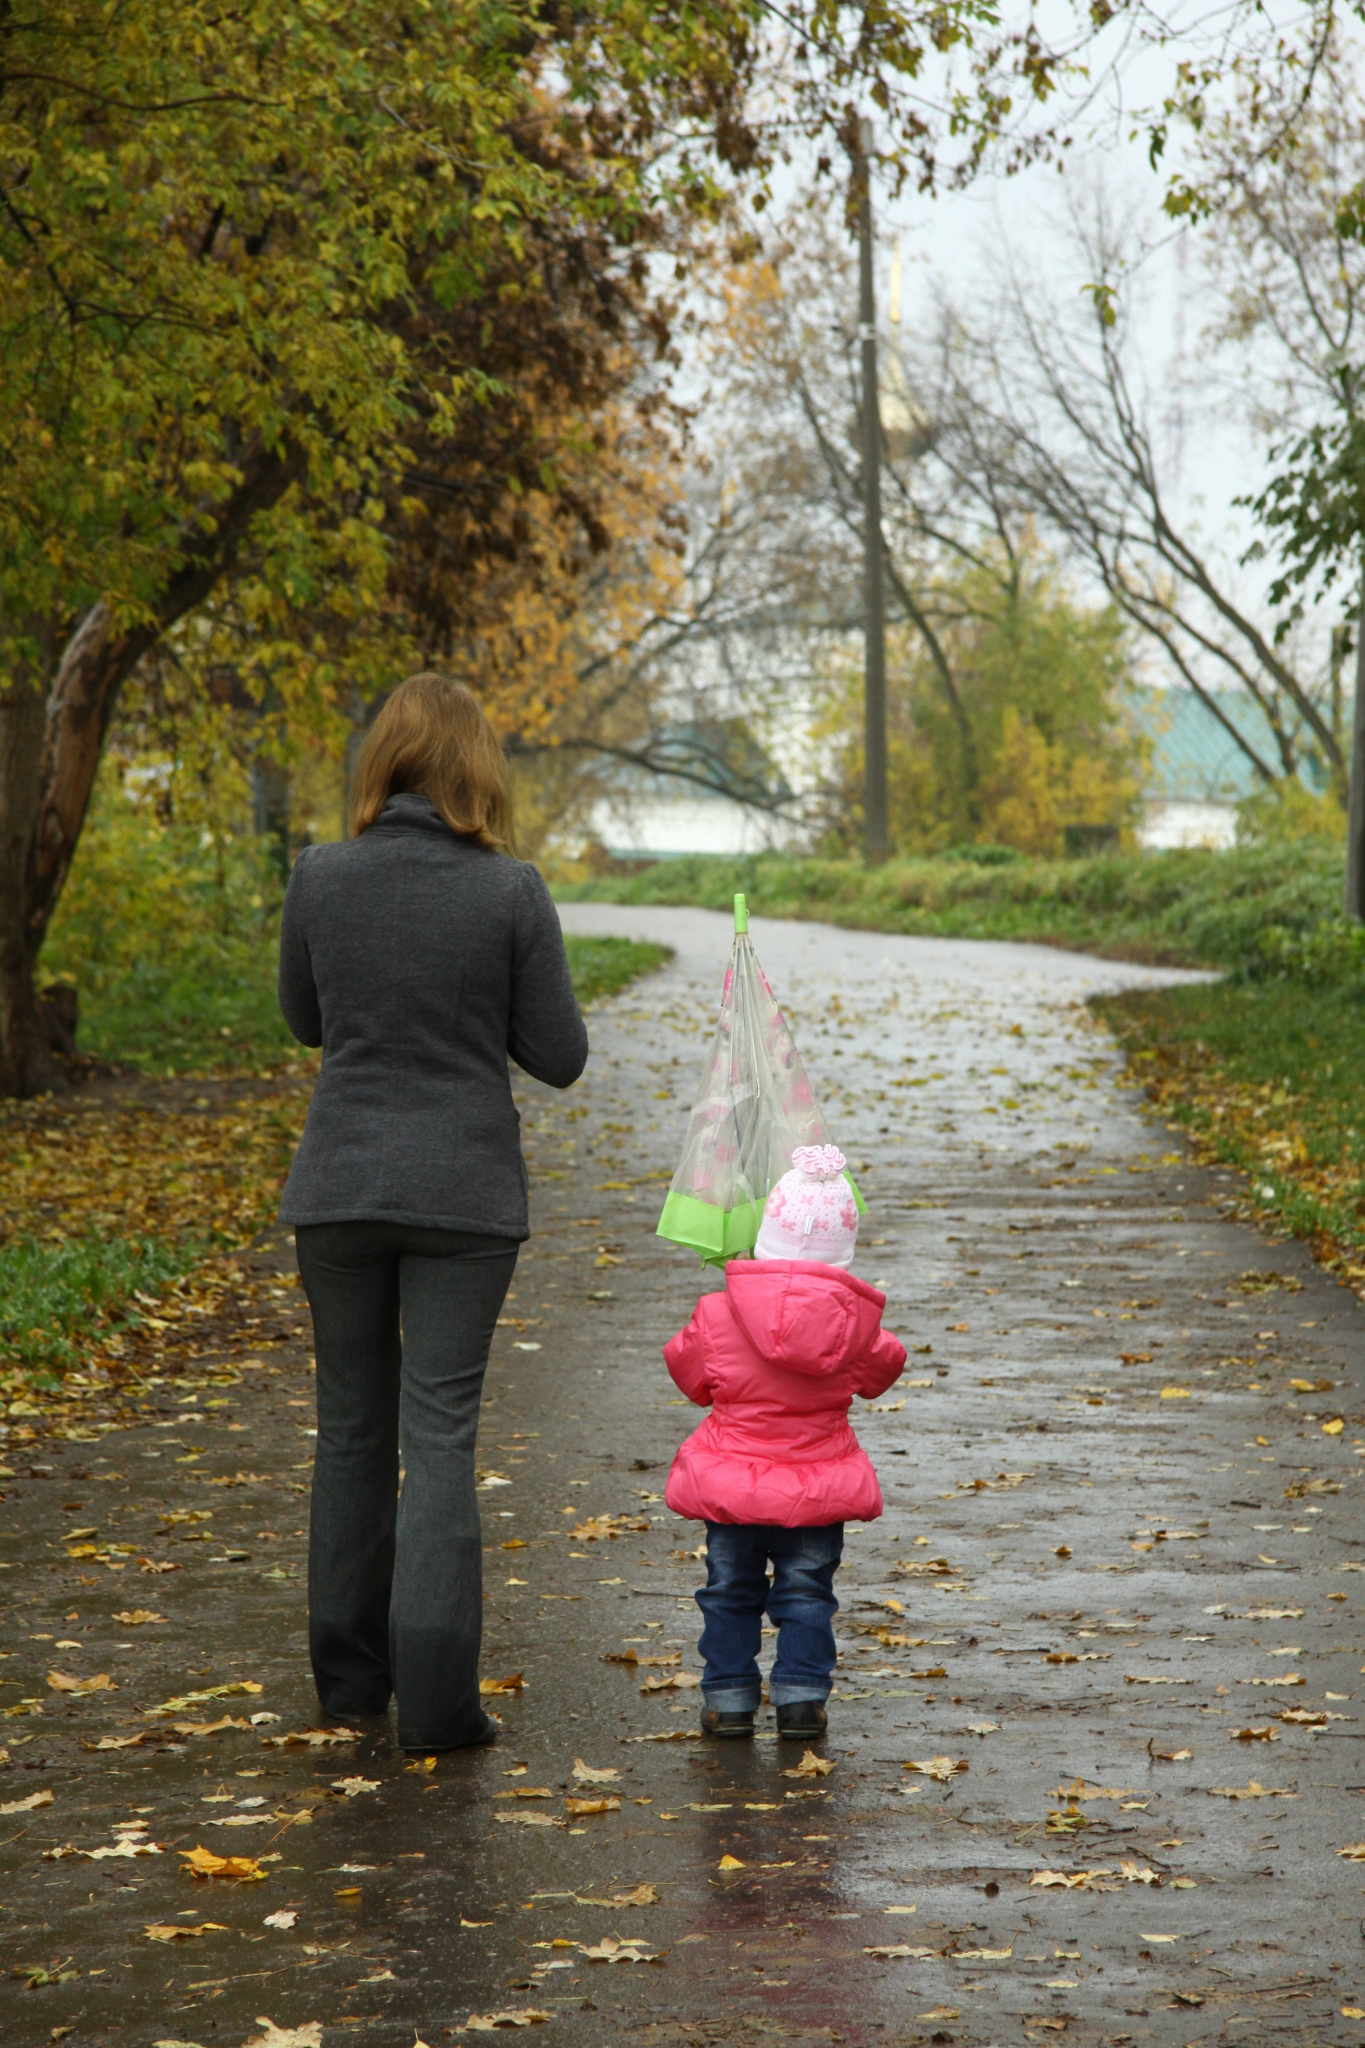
(811,1213)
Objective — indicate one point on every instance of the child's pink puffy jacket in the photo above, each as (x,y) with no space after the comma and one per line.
(778,1357)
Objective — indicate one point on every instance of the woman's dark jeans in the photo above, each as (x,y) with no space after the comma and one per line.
(395,1584)
(799,1597)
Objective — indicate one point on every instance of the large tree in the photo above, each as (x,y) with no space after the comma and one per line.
(222,232)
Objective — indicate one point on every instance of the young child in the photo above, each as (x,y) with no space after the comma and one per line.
(775,1471)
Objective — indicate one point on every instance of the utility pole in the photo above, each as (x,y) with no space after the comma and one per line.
(874,595)
(1355,824)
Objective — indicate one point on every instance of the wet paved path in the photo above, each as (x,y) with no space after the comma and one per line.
(1116,1535)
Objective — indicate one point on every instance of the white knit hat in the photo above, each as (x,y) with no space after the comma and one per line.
(811,1213)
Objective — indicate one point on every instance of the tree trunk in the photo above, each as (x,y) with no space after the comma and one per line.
(25,1064)
(50,745)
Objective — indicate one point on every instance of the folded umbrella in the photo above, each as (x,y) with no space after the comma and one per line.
(755,1107)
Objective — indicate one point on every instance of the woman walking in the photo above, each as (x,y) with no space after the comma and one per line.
(418,954)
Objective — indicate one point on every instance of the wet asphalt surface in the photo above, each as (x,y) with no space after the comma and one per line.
(1116,1535)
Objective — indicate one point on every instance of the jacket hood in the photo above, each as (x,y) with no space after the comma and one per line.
(806,1316)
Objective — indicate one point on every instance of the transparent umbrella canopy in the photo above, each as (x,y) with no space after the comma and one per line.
(755,1107)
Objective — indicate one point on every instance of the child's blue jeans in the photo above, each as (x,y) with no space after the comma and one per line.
(799,1597)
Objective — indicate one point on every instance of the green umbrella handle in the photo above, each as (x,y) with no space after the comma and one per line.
(741,915)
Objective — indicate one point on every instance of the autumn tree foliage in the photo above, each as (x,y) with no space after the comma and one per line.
(235,251)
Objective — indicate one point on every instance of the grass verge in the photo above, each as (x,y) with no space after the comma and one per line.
(1265,1076)
(602,967)
(1181,909)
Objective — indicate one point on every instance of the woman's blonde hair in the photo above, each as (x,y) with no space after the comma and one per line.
(432,738)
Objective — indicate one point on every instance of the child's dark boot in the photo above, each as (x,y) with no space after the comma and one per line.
(801,1720)
(727,1724)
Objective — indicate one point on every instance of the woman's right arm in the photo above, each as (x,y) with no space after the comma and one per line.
(297,988)
(546,1034)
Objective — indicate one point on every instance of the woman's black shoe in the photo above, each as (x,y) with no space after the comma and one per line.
(713,1722)
(800,1720)
(484,1735)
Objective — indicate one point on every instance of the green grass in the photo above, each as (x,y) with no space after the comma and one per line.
(54,1296)
(1267,1076)
(602,967)
(1184,908)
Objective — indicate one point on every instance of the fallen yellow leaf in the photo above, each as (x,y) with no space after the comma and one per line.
(813,1766)
(29,1805)
(202,1862)
(1251,1791)
(60,1681)
(496,1687)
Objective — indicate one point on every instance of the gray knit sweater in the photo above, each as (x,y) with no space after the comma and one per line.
(418,961)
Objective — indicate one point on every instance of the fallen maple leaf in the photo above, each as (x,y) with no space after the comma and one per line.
(60,1681)
(1266,1734)
(309,2036)
(580,1807)
(133,1617)
(612,1950)
(116,1741)
(1354,1851)
(1079,1790)
(496,1687)
(519,2016)
(940,1768)
(353,1786)
(310,1738)
(157,1931)
(29,1805)
(591,1774)
(674,1681)
(729,1863)
(811,1766)
(286,1918)
(595,1527)
(1251,1791)
(892,1952)
(209,1692)
(643,1895)
(202,1862)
